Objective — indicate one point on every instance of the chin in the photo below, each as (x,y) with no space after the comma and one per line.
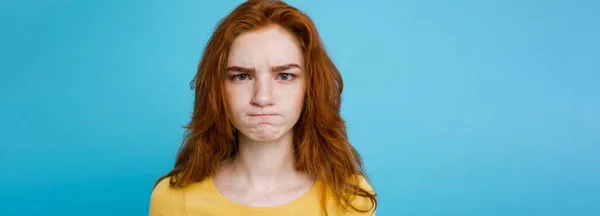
(264,133)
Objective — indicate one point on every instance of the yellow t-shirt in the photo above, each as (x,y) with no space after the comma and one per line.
(203,199)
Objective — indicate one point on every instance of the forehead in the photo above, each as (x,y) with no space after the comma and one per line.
(265,47)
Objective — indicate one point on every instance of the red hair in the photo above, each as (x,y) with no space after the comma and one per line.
(320,138)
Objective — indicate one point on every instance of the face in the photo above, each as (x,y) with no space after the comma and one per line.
(265,83)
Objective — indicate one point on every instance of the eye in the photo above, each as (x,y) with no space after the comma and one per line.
(286,76)
(240,77)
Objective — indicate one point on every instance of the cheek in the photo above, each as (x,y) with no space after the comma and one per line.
(234,100)
(296,99)
(301,94)
(236,104)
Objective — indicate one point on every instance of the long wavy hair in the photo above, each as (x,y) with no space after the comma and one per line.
(320,138)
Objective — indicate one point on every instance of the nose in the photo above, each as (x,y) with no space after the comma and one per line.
(263,93)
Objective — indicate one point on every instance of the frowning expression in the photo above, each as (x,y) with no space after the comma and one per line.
(265,83)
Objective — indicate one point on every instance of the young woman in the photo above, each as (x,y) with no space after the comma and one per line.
(266,136)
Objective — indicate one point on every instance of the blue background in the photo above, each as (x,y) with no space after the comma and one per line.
(458,107)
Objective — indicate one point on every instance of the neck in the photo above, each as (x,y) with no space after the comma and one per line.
(264,164)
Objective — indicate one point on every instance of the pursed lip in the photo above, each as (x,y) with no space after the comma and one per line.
(262,114)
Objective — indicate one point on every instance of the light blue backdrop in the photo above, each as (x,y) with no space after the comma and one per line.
(458,107)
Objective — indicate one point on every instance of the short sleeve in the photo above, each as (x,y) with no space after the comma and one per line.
(166,201)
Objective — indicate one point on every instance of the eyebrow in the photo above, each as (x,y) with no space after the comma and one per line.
(274,69)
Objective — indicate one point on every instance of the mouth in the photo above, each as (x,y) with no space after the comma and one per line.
(262,114)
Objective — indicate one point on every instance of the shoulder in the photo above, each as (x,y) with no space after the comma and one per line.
(363,202)
(165,200)
(364,183)
(358,199)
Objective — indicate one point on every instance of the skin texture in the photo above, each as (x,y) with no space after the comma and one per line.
(253,87)
(265,90)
